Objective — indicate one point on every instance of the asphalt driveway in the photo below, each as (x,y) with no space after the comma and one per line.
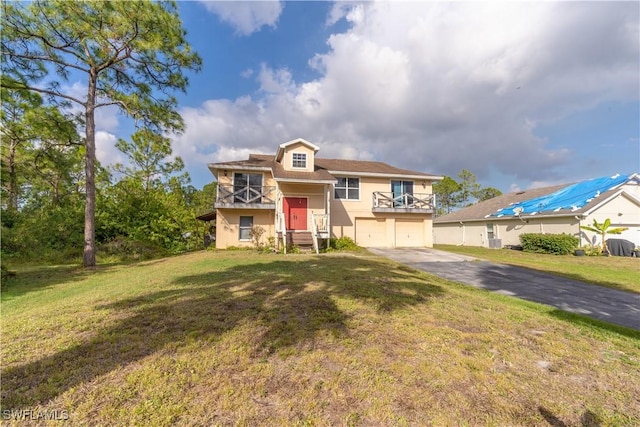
(611,305)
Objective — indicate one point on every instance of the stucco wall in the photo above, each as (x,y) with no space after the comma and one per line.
(316,195)
(623,212)
(287,160)
(508,231)
(344,213)
(228,226)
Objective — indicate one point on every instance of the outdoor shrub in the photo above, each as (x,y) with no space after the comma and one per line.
(256,236)
(129,249)
(557,244)
(344,244)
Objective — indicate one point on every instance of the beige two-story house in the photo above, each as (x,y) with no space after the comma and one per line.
(295,196)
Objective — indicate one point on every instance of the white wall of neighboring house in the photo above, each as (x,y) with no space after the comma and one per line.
(623,211)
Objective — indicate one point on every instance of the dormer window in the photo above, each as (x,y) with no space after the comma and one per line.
(299,160)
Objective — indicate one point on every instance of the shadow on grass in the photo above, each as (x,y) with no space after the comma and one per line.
(30,277)
(287,302)
(34,278)
(588,418)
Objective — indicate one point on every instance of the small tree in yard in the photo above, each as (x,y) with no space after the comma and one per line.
(256,235)
(603,229)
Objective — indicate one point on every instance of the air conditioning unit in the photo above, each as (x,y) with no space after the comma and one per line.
(495,243)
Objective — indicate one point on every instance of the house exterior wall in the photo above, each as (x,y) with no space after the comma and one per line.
(314,193)
(228,226)
(474,233)
(347,215)
(394,228)
(287,160)
(623,212)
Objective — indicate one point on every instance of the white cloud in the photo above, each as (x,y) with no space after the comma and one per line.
(106,150)
(437,87)
(246,17)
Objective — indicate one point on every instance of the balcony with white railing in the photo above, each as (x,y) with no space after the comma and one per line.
(246,197)
(403,203)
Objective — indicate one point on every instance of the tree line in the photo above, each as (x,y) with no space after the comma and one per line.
(55,195)
(146,206)
(452,194)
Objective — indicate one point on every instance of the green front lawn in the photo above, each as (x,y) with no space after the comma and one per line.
(240,338)
(613,272)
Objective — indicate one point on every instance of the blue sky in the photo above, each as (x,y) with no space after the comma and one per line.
(521,94)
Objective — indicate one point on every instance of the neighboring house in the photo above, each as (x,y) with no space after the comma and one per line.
(297,197)
(553,210)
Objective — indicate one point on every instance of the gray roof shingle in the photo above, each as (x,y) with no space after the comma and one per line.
(322,168)
(480,211)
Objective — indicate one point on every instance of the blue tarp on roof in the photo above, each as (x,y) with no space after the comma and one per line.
(572,197)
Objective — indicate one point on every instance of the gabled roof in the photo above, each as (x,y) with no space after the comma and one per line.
(324,169)
(283,146)
(572,197)
(502,207)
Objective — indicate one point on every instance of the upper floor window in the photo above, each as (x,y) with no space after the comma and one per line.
(347,188)
(299,160)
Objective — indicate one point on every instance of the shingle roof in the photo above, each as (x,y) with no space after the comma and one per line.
(323,168)
(351,166)
(487,209)
(481,209)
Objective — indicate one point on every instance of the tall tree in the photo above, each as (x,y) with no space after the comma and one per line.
(446,192)
(486,193)
(148,154)
(132,54)
(468,188)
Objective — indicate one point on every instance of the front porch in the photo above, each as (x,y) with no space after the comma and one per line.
(302,215)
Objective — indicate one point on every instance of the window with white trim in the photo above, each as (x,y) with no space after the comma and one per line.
(246,224)
(299,160)
(490,231)
(347,188)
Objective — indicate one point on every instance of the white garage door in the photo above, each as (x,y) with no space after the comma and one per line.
(409,233)
(371,232)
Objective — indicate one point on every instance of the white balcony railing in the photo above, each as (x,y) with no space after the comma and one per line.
(247,195)
(418,202)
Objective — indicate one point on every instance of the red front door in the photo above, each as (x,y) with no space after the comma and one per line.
(295,213)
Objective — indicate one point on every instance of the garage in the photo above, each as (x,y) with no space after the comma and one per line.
(371,232)
(409,233)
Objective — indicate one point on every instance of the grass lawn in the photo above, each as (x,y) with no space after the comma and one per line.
(240,338)
(613,272)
